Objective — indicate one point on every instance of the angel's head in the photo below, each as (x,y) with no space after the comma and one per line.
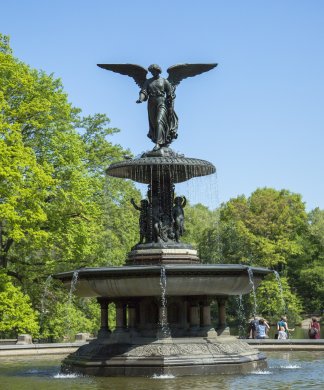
(155,69)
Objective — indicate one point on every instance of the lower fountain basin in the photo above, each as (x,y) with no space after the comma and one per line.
(182,280)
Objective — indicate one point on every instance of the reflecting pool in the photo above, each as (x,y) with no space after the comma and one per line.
(286,370)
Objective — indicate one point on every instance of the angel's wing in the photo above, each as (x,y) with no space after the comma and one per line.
(182,71)
(137,72)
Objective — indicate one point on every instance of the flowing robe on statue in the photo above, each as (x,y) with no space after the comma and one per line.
(163,121)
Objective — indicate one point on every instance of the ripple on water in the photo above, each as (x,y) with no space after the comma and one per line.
(261,372)
(66,376)
(291,367)
(163,376)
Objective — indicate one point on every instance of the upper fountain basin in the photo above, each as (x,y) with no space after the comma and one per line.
(146,168)
(182,280)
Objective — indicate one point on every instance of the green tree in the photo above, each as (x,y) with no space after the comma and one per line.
(57,209)
(306,272)
(263,230)
(63,319)
(16,312)
(276,299)
(199,220)
(266,229)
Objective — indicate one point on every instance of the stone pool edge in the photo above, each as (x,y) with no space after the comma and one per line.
(67,348)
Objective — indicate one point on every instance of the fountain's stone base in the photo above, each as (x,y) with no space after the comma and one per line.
(137,356)
(163,320)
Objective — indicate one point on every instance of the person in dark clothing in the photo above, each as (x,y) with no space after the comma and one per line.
(253,325)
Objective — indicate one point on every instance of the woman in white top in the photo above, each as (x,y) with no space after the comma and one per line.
(282,334)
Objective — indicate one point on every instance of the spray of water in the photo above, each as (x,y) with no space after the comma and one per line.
(43,301)
(283,303)
(74,282)
(241,316)
(46,287)
(70,300)
(164,318)
(251,281)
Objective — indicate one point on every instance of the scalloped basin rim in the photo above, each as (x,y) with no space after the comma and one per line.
(143,169)
(156,270)
(141,281)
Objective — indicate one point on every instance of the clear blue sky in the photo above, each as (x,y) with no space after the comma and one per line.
(258,117)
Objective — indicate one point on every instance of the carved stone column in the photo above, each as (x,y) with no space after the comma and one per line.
(206,314)
(120,316)
(222,328)
(194,317)
(104,327)
(206,324)
(132,318)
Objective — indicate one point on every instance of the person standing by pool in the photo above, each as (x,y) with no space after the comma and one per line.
(283,323)
(314,329)
(254,322)
(282,335)
(262,329)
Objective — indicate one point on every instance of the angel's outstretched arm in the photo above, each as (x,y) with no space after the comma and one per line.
(143,95)
(137,72)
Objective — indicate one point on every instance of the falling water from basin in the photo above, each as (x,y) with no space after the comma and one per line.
(283,303)
(251,281)
(47,284)
(165,330)
(74,282)
(46,287)
(241,316)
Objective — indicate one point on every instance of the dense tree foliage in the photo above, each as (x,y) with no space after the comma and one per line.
(263,230)
(306,272)
(16,312)
(57,209)
(271,229)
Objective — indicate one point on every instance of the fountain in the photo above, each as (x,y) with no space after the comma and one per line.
(163,294)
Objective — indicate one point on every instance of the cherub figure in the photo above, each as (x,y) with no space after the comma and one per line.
(166,231)
(160,95)
(178,216)
(143,218)
(157,213)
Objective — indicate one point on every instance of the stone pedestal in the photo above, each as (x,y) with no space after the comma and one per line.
(82,337)
(24,339)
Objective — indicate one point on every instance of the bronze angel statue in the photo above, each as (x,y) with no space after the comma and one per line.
(160,95)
